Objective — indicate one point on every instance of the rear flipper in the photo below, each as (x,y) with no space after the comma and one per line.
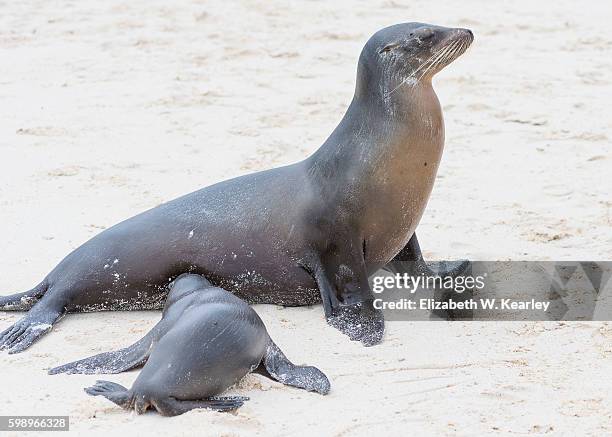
(166,406)
(443,270)
(428,268)
(410,260)
(38,321)
(278,367)
(23,301)
(113,392)
(115,361)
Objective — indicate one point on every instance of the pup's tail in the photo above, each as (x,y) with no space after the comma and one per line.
(23,301)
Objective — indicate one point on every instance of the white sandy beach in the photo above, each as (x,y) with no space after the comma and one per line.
(110,108)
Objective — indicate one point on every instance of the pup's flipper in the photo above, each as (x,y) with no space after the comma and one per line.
(118,361)
(279,368)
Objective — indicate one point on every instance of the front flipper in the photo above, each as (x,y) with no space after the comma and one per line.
(279,368)
(360,321)
(347,298)
(115,361)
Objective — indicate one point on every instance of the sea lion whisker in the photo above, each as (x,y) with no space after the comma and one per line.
(451,55)
(413,74)
(441,57)
(465,44)
(447,54)
(424,64)
(410,76)
(400,84)
(429,60)
(436,61)
(433,62)
(460,49)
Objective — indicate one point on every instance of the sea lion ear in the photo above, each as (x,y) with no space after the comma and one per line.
(389,47)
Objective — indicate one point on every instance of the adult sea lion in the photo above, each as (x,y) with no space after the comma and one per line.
(207,340)
(295,235)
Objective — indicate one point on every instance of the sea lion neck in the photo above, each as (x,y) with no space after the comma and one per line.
(379,127)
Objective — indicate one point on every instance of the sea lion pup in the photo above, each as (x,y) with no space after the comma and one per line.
(206,341)
(295,235)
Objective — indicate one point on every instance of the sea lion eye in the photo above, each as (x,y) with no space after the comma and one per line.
(388,47)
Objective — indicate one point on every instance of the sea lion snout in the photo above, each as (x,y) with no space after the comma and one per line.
(441,35)
(446,45)
(465,34)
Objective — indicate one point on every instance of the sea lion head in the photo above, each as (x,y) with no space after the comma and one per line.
(408,54)
(183,285)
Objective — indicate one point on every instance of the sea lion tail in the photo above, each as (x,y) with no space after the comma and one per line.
(23,301)
(112,391)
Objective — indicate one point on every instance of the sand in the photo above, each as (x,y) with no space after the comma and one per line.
(110,108)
